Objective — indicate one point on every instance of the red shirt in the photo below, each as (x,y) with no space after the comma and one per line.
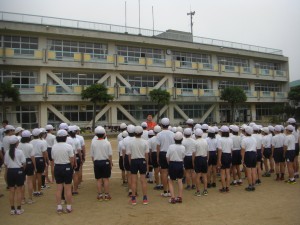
(150,125)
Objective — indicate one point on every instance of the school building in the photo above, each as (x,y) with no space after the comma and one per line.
(51,60)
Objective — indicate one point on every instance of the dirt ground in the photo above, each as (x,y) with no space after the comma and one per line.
(272,203)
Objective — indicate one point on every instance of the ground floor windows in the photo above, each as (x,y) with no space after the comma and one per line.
(195,112)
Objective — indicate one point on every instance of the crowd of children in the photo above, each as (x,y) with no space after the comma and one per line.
(192,156)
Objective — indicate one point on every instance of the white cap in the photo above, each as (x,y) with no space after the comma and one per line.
(165,121)
(197,125)
(187,131)
(190,121)
(49,127)
(157,129)
(282,127)
(255,127)
(144,125)
(211,130)
(43,130)
(72,128)
(151,133)
(123,126)
(78,128)
(26,133)
(62,133)
(243,127)
(170,128)
(216,129)
(290,128)
(235,128)
(224,129)
(18,129)
(291,120)
(138,130)
(231,126)
(178,136)
(204,126)
(99,130)
(174,129)
(265,130)
(63,126)
(249,130)
(198,132)
(130,128)
(179,129)
(13,139)
(36,132)
(9,127)
(271,128)
(124,134)
(252,124)
(277,128)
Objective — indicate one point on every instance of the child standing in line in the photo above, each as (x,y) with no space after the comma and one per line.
(258,139)
(175,156)
(200,159)
(120,138)
(266,150)
(289,152)
(212,157)
(236,156)
(277,152)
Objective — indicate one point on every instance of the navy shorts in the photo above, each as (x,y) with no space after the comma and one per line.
(278,155)
(201,164)
(29,169)
(121,165)
(78,161)
(63,173)
(154,159)
(15,177)
(188,162)
(138,165)
(296,149)
(236,157)
(258,155)
(102,169)
(49,153)
(225,160)
(163,160)
(290,155)
(213,158)
(176,170)
(126,163)
(250,159)
(267,153)
(40,164)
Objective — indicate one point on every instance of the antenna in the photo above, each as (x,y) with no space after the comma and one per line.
(125,17)
(153,20)
(139,17)
(191,14)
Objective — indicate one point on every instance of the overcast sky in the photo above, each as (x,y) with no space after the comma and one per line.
(267,23)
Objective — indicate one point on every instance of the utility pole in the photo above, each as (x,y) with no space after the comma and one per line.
(191,14)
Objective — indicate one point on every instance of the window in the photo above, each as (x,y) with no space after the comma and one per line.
(264,110)
(268,65)
(27,116)
(232,83)
(21,45)
(267,87)
(191,83)
(75,78)
(20,79)
(229,61)
(142,80)
(194,111)
(139,112)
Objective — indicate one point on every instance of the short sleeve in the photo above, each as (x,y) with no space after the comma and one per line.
(219,146)
(109,149)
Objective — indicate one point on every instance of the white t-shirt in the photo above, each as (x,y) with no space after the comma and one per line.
(27,149)
(38,147)
(1,134)
(126,142)
(101,149)
(5,143)
(61,153)
(176,153)
(120,147)
(290,142)
(120,137)
(18,161)
(145,135)
(138,147)
(266,141)
(225,144)
(296,135)
(278,141)
(74,142)
(81,140)
(152,142)
(201,148)
(51,140)
(258,139)
(236,142)
(164,139)
(204,135)
(249,144)
(190,145)
(212,144)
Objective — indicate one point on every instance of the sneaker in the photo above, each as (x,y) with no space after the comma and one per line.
(59,211)
(222,190)
(213,185)
(291,181)
(257,182)
(188,187)
(240,183)
(68,210)
(172,201)
(19,211)
(296,176)
(12,212)
(107,197)
(165,194)
(133,200)
(233,183)
(205,192)
(249,188)
(30,201)
(178,200)
(100,197)
(227,189)
(145,200)
(198,194)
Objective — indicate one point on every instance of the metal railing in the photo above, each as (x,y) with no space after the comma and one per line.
(78,24)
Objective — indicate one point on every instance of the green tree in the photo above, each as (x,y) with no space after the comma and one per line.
(160,98)
(294,94)
(233,95)
(97,94)
(8,91)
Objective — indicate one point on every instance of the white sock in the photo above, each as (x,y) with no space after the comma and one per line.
(150,176)
(69,207)
(59,206)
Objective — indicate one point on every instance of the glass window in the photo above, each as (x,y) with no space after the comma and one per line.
(233,83)
(192,83)
(21,45)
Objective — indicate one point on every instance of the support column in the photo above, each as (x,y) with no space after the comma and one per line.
(171,112)
(217,113)
(43,114)
(253,112)
(113,117)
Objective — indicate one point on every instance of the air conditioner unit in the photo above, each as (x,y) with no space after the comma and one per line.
(83,108)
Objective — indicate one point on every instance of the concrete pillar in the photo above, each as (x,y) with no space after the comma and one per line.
(111,49)
(113,115)
(43,75)
(253,112)
(43,114)
(217,113)
(171,112)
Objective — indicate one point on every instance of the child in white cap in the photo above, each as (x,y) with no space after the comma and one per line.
(289,152)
